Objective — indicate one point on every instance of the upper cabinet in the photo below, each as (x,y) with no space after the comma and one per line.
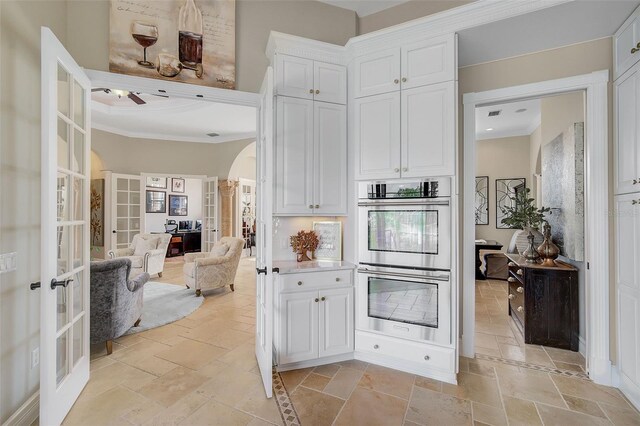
(417,64)
(308,79)
(627,45)
(627,146)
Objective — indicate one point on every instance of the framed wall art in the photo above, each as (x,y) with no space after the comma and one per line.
(156,182)
(178,205)
(482,200)
(156,202)
(330,236)
(506,191)
(177,185)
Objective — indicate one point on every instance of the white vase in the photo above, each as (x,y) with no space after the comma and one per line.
(521,239)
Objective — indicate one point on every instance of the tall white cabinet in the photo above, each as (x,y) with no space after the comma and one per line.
(627,204)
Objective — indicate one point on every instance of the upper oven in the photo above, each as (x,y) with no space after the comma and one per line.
(405,224)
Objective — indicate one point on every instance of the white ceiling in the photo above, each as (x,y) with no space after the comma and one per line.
(509,122)
(172,118)
(365,7)
(549,28)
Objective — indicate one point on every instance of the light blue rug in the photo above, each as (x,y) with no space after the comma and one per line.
(164,304)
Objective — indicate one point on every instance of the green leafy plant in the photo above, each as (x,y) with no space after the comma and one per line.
(408,192)
(522,213)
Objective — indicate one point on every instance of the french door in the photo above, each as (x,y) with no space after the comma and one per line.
(246,209)
(264,256)
(210,213)
(125,209)
(64,279)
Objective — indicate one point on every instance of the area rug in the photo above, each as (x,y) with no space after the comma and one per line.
(164,304)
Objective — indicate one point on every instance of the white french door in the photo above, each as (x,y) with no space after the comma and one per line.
(246,212)
(209,213)
(125,209)
(264,255)
(64,269)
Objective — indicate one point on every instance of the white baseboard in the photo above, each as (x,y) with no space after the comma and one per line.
(27,413)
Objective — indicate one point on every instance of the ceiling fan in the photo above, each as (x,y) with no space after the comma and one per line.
(120,93)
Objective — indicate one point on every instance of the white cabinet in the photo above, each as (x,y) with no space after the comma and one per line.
(417,64)
(406,134)
(627,209)
(627,147)
(308,79)
(311,158)
(627,44)
(316,316)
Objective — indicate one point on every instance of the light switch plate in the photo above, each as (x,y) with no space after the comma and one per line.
(7,262)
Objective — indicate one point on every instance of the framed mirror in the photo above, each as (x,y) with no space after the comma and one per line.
(482,200)
(506,192)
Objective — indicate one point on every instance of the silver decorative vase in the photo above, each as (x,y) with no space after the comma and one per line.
(531,255)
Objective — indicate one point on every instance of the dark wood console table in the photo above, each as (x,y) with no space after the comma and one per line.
(488,245)
(184,242)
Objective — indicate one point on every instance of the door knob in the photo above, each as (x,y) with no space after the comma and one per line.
(55,283)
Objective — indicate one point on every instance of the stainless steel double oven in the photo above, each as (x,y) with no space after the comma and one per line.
(405,259)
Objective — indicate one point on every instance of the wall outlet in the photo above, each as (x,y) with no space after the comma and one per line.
(35,357)
(7,262)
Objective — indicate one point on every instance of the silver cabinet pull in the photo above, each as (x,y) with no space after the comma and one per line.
(396,81)
(323,298)
(404,79)
(519,272)
(511,280)
(405,169)
(311,91)
(299,282)
(317,300)
(310,206)
(338,279)
(512,264)
(512,296)
(520,309)
(317,92)
(520,289)
(427,357)
(396,170)
(317,206)
(376,346)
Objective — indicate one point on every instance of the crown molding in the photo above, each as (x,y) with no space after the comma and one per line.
(305,48)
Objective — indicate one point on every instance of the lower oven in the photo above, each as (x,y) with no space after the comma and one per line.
(407,303)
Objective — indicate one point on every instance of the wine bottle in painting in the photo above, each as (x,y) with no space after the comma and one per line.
(190,31)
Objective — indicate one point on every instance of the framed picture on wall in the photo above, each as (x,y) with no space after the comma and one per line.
(330,236)
(178,205)
(156,201)
(177,185)
(506,191)
(482,200)
(156,182)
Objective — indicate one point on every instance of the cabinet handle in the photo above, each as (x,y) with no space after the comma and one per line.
(396,170)
(519,272)
(512,296)
(512,264)
(520,289)
(404,79)
(635,202)
(405,169)
(338,279)
(310,206)
(323,298)
(635,49)
(427,357)
(317,92)
(317,300)
(376,346)
(396,81)
(311,91)
(635,181)
(520,309)
(511,280)
(299,282)
(317,206)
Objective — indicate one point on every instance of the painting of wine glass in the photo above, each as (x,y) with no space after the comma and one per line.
(191,41)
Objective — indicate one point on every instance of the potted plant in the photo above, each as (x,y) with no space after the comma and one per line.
(522,214)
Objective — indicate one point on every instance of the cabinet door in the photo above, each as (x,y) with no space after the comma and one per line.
(330,159)
(377,136)
(330,83)
(294,76)
(428,130)
(377,73)
(627,154)
(336,322)
(625,44)
(428,62)
(299,327)
(628,291)
(294,156)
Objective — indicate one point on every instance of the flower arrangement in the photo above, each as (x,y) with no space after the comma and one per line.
(304,242)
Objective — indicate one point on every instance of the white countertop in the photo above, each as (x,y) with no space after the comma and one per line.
(293,267)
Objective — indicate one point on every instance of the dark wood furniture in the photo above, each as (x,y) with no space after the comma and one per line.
(488,245)
(184,242)
(543,302)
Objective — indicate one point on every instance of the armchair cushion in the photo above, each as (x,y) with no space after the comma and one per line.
(136,261)
(219,250)
(145,245)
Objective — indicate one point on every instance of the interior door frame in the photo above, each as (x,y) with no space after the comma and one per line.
(597,254)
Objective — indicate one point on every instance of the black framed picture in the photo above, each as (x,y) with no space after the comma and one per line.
(506,192)
(178,205)
(177,185)
(482,200)
(156,201)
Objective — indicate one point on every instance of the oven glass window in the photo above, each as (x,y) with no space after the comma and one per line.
(403,301)
(405,231)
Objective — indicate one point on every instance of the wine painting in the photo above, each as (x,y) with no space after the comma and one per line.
(190,41)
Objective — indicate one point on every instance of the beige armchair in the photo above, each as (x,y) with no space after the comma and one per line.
(203,271)
(146,252)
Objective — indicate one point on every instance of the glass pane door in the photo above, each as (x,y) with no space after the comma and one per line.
(125,199)
(247,209)
(210,214)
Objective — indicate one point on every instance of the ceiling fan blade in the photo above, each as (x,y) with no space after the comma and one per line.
(137,99)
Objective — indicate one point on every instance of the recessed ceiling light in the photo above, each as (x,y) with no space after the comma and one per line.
(489,129)
(521,110)
(213,135)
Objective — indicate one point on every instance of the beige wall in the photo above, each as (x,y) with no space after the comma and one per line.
(244,166)
(501,158)
(405,12)
(88,37)
(559,112)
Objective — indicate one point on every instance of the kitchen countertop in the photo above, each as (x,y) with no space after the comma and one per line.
(293,267)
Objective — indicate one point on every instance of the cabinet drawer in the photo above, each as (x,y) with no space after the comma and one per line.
(314,280)
(429,355)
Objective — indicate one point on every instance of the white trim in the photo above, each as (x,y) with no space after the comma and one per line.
(304,48)
(596,218)
(27,413)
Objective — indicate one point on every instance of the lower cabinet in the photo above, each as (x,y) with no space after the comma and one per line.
(315,324)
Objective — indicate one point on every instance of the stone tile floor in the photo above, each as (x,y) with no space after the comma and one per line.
(201,370)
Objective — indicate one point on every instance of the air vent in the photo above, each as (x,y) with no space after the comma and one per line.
(213,135)
(494,113)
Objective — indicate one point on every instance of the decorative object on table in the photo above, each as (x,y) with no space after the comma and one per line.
(303,243)
(521,213)
(156,182)
(330,240)
(531,254)
(177,185)
(96,223)
(482,200)
(506,191)
(178,205)
(156,201)
(562,166)
(191,41)
(549,252)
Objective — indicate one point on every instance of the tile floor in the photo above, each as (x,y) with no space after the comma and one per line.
(201,370)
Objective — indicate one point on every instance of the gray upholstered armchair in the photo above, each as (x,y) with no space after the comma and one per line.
(218,268)
(116,301)
(146,252)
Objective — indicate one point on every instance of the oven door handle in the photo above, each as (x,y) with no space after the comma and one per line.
(441,277)
(402,203)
